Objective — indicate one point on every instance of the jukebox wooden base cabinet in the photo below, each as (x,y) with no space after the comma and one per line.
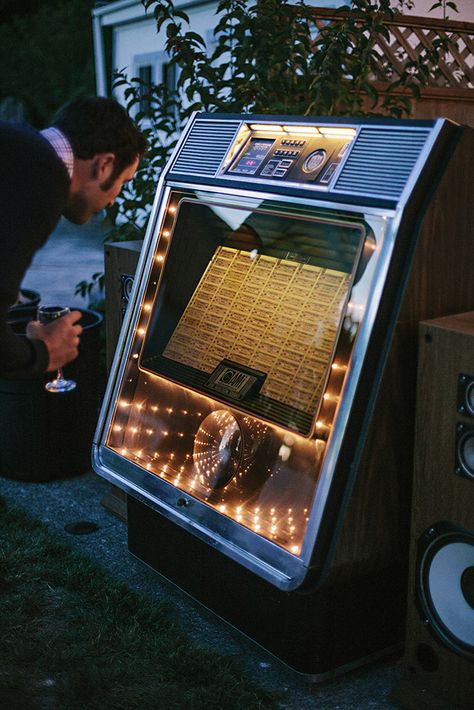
(260,408)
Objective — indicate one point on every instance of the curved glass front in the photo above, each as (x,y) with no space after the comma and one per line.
(242,344)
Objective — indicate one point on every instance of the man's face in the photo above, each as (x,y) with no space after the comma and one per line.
(92,188)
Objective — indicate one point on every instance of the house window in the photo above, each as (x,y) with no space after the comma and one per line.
(145,74)
(169,76)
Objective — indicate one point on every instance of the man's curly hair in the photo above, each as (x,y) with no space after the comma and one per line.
(95,124)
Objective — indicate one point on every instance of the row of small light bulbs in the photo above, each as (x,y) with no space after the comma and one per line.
(320,425)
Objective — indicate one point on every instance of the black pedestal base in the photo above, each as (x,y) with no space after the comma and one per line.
(320,633)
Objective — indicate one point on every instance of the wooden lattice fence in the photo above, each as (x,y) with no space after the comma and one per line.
(450,86)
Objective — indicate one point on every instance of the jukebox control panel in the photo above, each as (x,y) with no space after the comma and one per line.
(313,158)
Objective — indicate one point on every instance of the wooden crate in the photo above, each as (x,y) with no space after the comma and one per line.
(121,259)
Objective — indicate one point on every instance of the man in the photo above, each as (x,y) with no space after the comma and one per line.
(74,168)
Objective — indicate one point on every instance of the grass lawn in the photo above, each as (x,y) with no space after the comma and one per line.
(72,637)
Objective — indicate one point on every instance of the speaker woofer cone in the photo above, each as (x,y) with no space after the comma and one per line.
(444,588)
(469,397)
(465,451)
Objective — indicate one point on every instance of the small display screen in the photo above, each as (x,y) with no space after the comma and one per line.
(253,157)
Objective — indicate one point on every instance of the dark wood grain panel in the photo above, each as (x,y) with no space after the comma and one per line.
(446,349)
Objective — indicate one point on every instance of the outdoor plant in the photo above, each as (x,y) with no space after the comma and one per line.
(267,56)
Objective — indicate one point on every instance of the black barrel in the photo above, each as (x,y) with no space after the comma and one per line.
(46,436)
(28,299)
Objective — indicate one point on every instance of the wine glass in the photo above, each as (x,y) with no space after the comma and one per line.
(45,315)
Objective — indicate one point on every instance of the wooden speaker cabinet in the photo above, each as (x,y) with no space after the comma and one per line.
(438,668)
(121,260)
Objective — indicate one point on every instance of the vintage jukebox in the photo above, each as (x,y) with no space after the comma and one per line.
(260,408)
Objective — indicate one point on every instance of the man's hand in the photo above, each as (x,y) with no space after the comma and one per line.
(61,338)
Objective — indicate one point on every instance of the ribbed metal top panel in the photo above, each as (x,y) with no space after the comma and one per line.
(381,161)
(205,147)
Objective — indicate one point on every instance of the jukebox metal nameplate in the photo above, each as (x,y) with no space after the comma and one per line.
(235,380)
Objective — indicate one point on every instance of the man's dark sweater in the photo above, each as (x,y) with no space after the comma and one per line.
(34,185)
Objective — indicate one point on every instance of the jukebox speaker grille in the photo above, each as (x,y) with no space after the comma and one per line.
(381,162)
(446,587)
(205,147)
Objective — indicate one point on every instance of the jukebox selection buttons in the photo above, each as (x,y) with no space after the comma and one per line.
(217,449)
(274,168)
(287,153)
(314,160)
(299,143)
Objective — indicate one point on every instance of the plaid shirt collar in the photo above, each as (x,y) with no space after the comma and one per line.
(61,145)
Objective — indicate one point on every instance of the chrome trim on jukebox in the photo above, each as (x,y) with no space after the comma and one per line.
(281,564)
(209,522)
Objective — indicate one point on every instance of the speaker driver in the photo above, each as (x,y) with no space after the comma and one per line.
(446,585)
(465,397)
(464,465)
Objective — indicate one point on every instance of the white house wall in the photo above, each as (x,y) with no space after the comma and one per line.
(135,40)
(138,43)
(421,8)
(134,36)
